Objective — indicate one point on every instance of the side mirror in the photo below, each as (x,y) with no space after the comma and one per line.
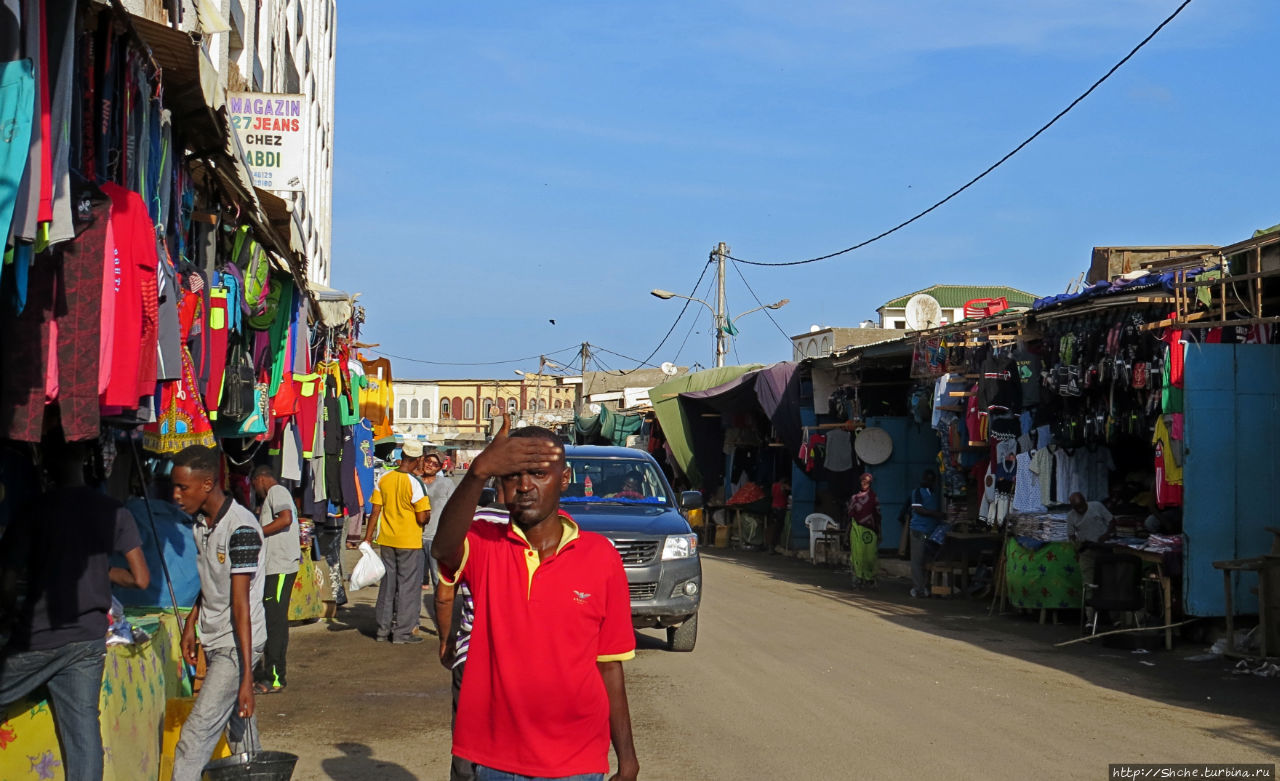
(487,496)
(690,500)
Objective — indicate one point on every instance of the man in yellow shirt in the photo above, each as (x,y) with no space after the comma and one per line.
(400,510)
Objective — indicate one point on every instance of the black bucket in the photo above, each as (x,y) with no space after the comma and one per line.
(262,766)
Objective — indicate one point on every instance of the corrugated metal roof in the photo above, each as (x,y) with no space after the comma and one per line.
(954,296)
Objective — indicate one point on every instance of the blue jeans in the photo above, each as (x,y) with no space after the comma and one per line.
(489,774)
(73,673)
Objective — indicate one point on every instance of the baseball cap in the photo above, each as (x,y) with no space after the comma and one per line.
(411,449)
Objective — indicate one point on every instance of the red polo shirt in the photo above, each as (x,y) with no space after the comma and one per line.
(532,701)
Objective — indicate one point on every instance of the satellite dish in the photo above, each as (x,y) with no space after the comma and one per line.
(923,312)
(813,329)
(669,368)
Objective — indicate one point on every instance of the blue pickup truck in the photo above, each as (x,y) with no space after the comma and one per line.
(622,494)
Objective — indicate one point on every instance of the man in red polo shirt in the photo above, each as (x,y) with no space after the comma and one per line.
(543,693)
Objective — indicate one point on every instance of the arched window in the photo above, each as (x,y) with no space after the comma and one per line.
(542,404)
(413,408)
(404,408)
(826,345)
(426,408)
(511,406)
(468,409)
(488,409)
(444,408)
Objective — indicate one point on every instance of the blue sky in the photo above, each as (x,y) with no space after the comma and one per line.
(499,165)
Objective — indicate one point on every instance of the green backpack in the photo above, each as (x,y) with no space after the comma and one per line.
(252,259)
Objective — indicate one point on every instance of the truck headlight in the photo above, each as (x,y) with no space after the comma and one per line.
(680,546)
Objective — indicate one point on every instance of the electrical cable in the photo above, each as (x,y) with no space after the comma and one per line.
(627,358)
(683,309)
(762,304)
(472,363)
(990,168)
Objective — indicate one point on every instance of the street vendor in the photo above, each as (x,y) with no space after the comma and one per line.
(1087,523)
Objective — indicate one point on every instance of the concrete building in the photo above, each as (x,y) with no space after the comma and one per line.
(276,46)
(445,409)
(823,341)
(952,298)
(626,391)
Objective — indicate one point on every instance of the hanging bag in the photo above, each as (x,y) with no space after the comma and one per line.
(252,259)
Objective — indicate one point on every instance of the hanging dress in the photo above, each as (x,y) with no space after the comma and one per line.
(181,420)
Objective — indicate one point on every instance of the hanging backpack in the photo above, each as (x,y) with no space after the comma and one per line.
(249,255)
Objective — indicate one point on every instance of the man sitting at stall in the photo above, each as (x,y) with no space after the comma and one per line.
(1087,523)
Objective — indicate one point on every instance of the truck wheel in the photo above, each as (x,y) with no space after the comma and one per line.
(682,638)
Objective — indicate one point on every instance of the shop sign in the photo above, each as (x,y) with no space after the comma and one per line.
(270,130)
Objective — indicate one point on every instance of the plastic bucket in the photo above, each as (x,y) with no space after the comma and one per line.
(262,766)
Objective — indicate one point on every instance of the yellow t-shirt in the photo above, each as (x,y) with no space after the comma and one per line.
(400,496)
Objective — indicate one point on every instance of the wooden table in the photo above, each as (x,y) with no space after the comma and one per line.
(1166,583)
(960,546)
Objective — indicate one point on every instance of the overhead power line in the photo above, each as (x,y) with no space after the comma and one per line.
(761,304)
(674,323)
(994,165)
(473,363)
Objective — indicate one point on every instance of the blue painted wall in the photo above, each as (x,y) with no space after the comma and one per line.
(1231,475)
(915,449)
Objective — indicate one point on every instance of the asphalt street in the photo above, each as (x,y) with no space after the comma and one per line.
(797,676)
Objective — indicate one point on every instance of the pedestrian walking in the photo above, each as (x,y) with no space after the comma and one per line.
(61,547)
(400,510)
(544,692)
(282,556)
(439,489)
(229,612)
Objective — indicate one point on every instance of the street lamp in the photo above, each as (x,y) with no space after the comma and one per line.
(723,324)
(775,305)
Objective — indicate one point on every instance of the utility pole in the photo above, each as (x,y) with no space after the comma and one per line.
(722,338)
(582,386)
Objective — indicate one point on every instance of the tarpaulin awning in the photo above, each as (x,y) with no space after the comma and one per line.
(773,390)
(671,415)
(611,426)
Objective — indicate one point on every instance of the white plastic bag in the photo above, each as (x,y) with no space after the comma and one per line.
(368,570)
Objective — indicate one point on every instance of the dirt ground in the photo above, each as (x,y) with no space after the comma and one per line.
(798,676)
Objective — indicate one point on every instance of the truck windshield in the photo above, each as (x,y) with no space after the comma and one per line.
(614,481)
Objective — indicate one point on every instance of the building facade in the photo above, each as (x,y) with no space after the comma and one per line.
(277,46)
(444,409)
(952,298)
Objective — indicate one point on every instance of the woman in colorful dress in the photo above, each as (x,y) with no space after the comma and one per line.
(864,534)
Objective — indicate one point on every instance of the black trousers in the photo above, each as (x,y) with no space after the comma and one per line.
(275,602)
(460,769)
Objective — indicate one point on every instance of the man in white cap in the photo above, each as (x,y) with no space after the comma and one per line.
(400,510)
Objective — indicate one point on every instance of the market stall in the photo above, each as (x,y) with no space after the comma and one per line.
(151,299)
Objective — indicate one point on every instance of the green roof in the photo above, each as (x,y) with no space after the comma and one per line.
(955,296)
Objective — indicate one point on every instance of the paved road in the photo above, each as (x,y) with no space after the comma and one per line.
(796,676)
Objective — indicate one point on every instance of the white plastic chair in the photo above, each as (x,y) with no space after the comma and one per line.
(818,523)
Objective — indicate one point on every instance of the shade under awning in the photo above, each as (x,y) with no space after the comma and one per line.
(192,91)
(671,416)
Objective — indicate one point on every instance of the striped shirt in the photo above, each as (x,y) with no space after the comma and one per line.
(467,617)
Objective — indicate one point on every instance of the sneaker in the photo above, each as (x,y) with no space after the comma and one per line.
(381,638)
(918,594)
(411,639)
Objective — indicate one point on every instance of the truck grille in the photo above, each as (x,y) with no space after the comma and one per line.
(636,552)
(643,590)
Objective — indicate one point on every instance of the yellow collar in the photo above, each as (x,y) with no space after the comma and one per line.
(569,526)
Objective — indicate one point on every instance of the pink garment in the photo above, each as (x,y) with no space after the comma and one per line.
(1175,425)
(106,345)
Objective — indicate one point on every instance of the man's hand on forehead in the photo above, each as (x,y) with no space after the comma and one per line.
(506,455)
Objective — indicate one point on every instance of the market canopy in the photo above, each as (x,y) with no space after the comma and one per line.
(771,390)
